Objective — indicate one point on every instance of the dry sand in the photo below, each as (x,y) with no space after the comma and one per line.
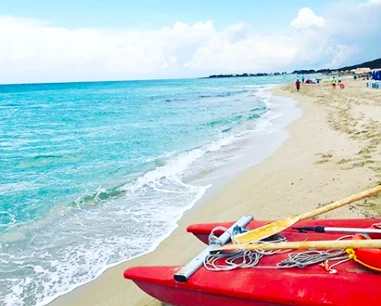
(334,151)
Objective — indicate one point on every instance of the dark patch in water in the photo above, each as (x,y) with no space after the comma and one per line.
(160,162)
(253,116)
(256,109)
(99,196)
(43,160)
(47,156)
(235,120)
(224,94)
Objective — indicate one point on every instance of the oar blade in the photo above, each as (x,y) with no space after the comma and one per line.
(265,231)
(276,227)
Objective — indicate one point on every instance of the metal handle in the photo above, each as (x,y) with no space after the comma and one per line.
(196,263)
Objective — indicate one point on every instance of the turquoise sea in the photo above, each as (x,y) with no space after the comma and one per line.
(93,174)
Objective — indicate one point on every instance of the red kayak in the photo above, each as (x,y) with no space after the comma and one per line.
(352,285)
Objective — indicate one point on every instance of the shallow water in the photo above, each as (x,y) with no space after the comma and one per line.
(96,173)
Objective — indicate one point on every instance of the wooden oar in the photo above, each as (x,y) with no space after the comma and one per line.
(280,225)
(323,244)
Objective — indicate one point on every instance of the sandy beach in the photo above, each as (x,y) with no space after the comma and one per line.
(333,151)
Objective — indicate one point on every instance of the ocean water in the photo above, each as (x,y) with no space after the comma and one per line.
(93,174)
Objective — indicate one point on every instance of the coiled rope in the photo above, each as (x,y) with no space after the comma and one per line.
(226,261)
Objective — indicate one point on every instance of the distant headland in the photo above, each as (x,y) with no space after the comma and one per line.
(370,64)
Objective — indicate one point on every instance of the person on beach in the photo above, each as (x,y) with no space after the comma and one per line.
(334,82)
(297,84)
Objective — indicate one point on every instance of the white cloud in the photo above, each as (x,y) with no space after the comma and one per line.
(349,35)
(31,50)
(371,2)
(36,51)
(252,53)
(338,55)
(307,19)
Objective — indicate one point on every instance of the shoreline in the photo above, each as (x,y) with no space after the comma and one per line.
(291,180)
(283,111)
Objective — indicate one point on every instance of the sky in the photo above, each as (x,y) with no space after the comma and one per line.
(93,40)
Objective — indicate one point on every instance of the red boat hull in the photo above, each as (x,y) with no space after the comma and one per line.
(311,286)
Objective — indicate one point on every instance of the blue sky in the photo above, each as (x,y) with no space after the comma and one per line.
(42,41)
(154,13)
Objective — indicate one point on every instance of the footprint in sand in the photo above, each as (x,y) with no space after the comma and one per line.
(344,161)
(324,157)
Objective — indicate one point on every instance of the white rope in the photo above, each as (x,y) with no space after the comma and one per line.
(312,257)
(228,260)
(213,239)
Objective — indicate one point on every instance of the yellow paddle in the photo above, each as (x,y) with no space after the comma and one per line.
(323,244)
(280,225)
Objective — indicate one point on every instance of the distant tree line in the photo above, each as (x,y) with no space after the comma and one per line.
(243,75)
(311,71)
(370,64)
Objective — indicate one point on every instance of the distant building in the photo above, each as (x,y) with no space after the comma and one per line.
(361,70)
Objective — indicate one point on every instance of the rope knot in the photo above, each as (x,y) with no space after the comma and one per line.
(351,254)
